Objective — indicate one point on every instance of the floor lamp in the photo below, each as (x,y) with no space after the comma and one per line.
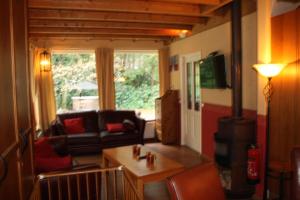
(268,71)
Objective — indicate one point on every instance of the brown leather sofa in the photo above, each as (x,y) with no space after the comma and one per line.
(96,137)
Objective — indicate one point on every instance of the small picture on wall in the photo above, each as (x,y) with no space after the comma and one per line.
(174,61)
(171,64)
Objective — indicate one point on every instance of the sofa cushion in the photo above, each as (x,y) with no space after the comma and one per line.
(57,127)
(90,119)
(83,138)
(128,125)
(114,127)
(114,116)
(74,125)
(117,136)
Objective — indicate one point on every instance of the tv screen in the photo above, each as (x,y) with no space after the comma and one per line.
(212,72)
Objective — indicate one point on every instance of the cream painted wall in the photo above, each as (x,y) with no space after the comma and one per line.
(264,10)
(219,39)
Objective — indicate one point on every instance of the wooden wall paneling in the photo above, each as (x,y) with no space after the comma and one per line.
(285,100)
(20,39)
(15,106)
(297,135)
(9,188)
(277,24)
(22,95)
(285,108)
(287,122)
(6,93)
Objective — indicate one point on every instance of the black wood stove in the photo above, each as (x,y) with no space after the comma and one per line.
(235,133)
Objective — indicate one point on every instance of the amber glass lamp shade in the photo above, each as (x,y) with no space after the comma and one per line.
(269,70)
(45,61)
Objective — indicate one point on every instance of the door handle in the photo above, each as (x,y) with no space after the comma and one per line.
(5,169)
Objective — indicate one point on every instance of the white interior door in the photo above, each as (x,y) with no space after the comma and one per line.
(190,101)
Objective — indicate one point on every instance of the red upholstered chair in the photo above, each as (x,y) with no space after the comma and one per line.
(47,158)
(198,183)
(295,164)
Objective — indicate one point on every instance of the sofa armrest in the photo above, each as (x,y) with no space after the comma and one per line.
(141,128)
(60,144)
(56,128)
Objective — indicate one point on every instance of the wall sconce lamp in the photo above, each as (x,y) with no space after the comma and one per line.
(45,61)
(183,33)
(268,71)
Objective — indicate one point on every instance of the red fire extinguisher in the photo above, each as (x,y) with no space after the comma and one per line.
(253,165)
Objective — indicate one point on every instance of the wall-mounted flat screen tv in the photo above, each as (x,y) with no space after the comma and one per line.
(213,72)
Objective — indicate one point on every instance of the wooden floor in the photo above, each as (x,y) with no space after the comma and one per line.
(158,190)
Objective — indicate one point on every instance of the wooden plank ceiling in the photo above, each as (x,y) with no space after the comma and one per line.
(118,19)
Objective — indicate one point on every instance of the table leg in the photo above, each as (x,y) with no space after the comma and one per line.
(105,165)
(140,188)
(105,162)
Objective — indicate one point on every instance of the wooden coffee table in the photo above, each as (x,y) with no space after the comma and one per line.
(137,169)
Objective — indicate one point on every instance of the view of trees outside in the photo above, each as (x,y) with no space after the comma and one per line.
(136,81)
(75,81)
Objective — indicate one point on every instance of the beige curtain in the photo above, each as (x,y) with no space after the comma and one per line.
(164,74)
(105,76)
(42,92)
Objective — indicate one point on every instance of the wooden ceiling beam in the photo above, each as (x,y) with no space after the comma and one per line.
(112,16)
(96,36)
(207,2)
(106,24)
(132,6)
(290,1)
(105,31)
(209,10)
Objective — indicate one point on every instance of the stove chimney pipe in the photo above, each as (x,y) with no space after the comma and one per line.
(236,69)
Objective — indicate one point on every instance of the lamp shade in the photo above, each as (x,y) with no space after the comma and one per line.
(45,61)
(269,70)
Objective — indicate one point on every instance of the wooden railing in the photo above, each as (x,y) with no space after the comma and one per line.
(91,184)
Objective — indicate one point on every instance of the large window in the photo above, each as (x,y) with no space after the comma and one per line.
(137,81)
(75,82)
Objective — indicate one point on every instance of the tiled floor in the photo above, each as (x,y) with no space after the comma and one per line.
(158,190)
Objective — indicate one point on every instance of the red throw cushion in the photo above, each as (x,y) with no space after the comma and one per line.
(114,127)
(42,148)
(44,164)
(74,125)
